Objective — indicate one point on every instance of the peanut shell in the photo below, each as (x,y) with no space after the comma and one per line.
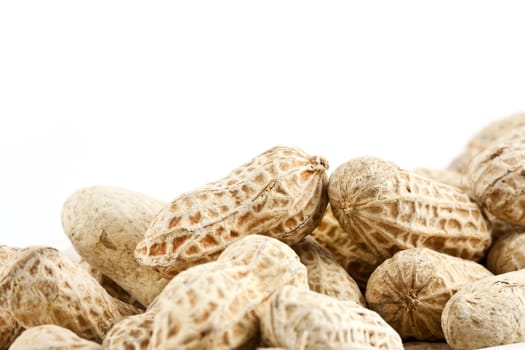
(411,289)
(42,287)
(280,193)
(9,327)
(131,333)
(325,275)
(507,253)
(296,318)
(486,313)
(446,176)
(104,224)
(387,209)
(51,337)
(419,345)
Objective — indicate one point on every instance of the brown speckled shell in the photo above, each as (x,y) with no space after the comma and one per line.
(507,253)
(486,313)
(9,327)
(325,275)
(281,193)
(296,318)
(411,289)
(387,209)
(42,287)
(496,178)
(51,337)
(104,225)
(131,333)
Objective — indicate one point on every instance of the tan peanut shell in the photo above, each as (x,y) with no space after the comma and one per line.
(446,176)
(280,193)
(507,253)
(325,275)
(486,313)
(296,318)
(51,337)
(420,345)
(131,333)
(496,177)
(411,289)
(104,224)
(42,287)
(387,209)
(486,137)
(349,253)
(9,327)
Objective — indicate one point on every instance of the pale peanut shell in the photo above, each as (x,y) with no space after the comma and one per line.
(486,313)
(411,289)
(51,337)
(325,275)
(419,345)
(296,318)
(42,287)
(507,253)
(104,225)
(280,193)
(9,327)
(387,209)
(131,333)
(446,176)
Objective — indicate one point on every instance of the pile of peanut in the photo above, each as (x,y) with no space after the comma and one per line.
(279,255)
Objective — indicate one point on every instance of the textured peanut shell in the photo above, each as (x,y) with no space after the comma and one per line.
(387,209)
(131,333)
(411,289)
(296,318)
(42,287)
(446,176)
(419,345)
(104,225)
(9,327)
(487,136)
(280,193)
(507,253)
(486,313)
(211,309)
(51,337)
(348,253)
(325,275)
(496,178)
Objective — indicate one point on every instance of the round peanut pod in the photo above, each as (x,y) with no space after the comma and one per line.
(51,337)
(387,209)
(131,333)
(486,313)
(9,327)
(42,287)
(325,275)
(496,177)
(420,345)
(411,289)
(295,318)
(507,253)
(348,253)
(486,137)
(104,224)
(280,193)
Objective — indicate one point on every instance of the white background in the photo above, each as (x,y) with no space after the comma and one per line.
(162,97)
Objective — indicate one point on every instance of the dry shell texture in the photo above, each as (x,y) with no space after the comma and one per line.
(325,275)
(9,327)
(507,254)
(347,252)
(132,333)
(51,337)
(300,319)
(497,178)
(387,209)
(446,176)
(281,193)
(42,287)
(487,313)
(411,289)
(419,345)
(105,224)
(490,134)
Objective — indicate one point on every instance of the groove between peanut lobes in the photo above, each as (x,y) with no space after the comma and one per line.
(282,198)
